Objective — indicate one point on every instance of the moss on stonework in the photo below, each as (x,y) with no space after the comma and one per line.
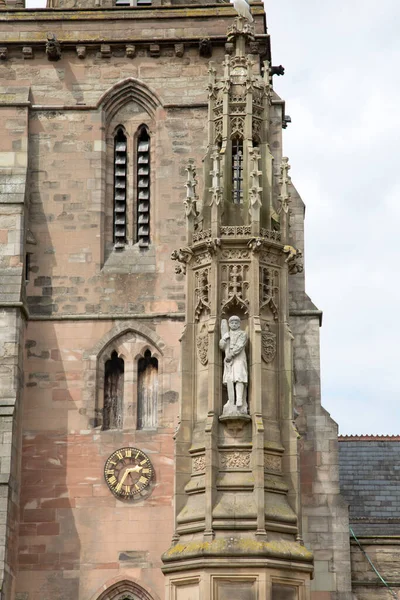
(238,547)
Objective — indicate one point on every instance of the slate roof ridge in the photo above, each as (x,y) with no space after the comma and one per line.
(369,438)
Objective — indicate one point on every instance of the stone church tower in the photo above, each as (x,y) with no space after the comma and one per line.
(162,435)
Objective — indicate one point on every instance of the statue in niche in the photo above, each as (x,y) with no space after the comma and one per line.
(233,342)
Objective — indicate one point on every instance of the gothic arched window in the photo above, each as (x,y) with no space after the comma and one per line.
(113,392)
(120,185)
(143,188)
(147,388)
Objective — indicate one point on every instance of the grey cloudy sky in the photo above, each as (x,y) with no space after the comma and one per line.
(342,90)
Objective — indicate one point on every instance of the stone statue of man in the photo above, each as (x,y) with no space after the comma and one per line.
(233,342)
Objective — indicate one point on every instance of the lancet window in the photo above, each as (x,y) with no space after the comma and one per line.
(129,208)
(237,171)
(120,188)
(143,188)
(113,392)
(147,400)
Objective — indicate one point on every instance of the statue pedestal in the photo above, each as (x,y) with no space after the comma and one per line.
(235,421)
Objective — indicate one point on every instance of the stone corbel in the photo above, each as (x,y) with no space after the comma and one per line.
(105,51)
(3,53)
(53,47)
(179,50)
(27,52)
(205,48)
(81,51)
(130,51)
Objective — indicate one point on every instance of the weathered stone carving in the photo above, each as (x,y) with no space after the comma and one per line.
(229,230)
(235,254)
(154,50)
(130,51)
(179,50)
(269,257)
(199,463)
(272,462)
(255,244)
(233,343)
(199,236)
(105,51)
(81,51)
(270,234)
(235,285)
(191,199)
(202,291)
(213,245)
(235,460)
(3,52)
(205,48)
(27,52)
(284,182)
(294,259)
(53,47)
(269,289)
(216,192)
(268,344)
(202,347)
(183,256)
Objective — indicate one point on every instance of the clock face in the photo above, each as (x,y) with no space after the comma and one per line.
(128,472)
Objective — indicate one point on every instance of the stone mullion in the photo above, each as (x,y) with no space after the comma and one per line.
(255,399)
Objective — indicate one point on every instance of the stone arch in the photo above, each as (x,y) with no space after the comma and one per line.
(120,330)
(124,589)
(128,341)
(127,90)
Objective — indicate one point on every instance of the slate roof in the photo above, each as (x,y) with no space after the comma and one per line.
(369,468)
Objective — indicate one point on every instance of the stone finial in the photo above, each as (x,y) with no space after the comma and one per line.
(3,53)
(241,27)
(216,192)
(205,48)
(130,51)
(179,50)
(53,47)
(191,196)
(255,187)
(284,182)
(81,51)
(27,52)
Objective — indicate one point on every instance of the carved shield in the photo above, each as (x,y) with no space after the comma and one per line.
(202,348)
(268,344)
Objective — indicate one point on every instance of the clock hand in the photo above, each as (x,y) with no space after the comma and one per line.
(119,485)
(135,469)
